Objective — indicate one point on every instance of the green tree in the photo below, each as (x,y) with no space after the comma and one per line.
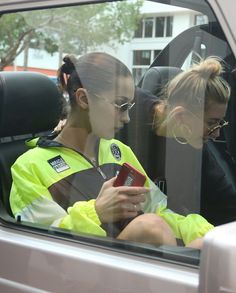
(16,35)
(68,30)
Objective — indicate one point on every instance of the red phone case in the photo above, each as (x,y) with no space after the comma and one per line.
(129,176)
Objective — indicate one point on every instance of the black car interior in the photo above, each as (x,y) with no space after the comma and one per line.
(30,103)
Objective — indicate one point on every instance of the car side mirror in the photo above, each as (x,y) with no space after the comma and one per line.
(218,260)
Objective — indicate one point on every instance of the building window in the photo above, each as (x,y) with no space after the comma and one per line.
(156,53)
(148,27)
(139,31)
(152,27)
(164,26)
(200,19)
(169,26)
(160,25)
(142,59)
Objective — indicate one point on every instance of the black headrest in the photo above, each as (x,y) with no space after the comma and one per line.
(156,77)
(29,103)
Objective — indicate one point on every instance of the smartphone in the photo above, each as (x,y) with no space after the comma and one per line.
(129,176)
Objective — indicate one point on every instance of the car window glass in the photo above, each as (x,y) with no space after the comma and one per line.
(143,35)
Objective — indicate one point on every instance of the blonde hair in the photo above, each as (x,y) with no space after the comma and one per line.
(196,88)
(199,85)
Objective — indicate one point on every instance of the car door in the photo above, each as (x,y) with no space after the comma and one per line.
(41,258)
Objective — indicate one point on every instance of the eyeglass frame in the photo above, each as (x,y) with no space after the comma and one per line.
(122,108)
(213,128)
(218,126)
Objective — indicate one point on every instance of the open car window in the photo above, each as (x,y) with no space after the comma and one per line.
(156,41)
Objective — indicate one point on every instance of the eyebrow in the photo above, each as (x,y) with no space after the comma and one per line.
(124,98)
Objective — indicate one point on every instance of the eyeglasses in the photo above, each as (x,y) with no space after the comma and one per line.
(122,108)
(220,124)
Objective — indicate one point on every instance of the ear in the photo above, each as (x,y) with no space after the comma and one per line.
(178,114)
(81,97)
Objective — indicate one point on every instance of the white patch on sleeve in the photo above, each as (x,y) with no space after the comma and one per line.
(43,211)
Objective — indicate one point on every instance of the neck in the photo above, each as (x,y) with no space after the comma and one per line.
(78,139)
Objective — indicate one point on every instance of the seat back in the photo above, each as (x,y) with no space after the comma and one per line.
(30,103)
(157,77)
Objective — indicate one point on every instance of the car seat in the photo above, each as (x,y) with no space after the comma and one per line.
(30,103)
(158,76)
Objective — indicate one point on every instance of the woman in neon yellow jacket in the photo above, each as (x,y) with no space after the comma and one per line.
(68,181)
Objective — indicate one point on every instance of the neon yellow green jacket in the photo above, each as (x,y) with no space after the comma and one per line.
(55,185)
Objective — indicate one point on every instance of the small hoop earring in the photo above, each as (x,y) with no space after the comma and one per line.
(183,129)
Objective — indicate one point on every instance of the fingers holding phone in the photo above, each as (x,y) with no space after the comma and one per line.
(129,176)
(116,202)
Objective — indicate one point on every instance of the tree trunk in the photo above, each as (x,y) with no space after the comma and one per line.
(60,51)
(26,57)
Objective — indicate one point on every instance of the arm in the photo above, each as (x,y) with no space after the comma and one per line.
(32,201)
(187,228)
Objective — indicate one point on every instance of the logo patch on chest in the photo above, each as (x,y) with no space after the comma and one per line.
(116,152)
(58,164)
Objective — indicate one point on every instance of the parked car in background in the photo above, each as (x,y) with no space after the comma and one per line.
(148,36)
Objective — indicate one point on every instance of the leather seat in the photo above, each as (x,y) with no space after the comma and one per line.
(156,77)
(30,103)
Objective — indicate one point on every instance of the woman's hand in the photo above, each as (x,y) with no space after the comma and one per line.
(116,203)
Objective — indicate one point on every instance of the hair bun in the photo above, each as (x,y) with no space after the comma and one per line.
(209,68)
(69,64)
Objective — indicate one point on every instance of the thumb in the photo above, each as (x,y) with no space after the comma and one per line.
(109,182)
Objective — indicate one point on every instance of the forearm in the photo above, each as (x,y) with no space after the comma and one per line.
(82,217)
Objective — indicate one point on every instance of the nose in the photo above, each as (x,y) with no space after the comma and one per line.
(124,117)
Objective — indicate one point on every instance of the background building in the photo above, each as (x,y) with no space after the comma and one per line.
(159,24)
